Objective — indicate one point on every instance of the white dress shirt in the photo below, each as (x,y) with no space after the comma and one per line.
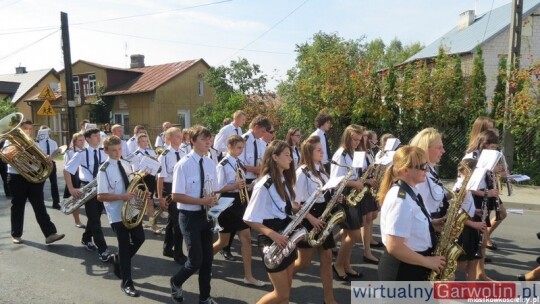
(342,158)
(139,154)
(186,178)
(168,160)
(296,156)
(109,180)
(265,203)
(220,141)
(42,144)
(305,186)
(85,160)
(226,172)
(160,140)
(247,157)
(320,133)
(404,218)
(132,144)
(431,192)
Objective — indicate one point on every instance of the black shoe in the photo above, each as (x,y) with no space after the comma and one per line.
(378,245)
(343,278)
(487,260)
(168,253)
(56,206)
(493,246)
(176,293)
(130,291)
(181,260)
(116,266)
(521,277)
(538,260)
(370,261)
(356,275)
(227,255)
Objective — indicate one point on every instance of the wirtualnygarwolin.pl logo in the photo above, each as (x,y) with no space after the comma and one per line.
(444,292)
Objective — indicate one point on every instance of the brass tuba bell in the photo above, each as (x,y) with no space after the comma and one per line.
(133,210)
(22,153)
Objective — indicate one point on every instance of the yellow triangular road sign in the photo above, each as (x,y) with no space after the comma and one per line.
(47,93)
(46,109)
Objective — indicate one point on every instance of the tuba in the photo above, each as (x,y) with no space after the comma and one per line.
(317,238)
(21,152)
(134,209)
(453,226)
(88,192)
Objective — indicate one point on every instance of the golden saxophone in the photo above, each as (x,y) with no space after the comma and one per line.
(133,210)
(453,226)
(317,238)
(22,153)
(356,196)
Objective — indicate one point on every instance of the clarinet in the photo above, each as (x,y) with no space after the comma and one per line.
(494,185)
(484,216)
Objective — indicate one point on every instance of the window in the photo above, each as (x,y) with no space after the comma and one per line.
(122,118)
(201,87)
(76,88)
(183,118)
(91,84)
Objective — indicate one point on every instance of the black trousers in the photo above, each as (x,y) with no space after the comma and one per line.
(129,242)
(173,235)
(94,209)
(21,191)
(197,232)
(4,175)
(54,186)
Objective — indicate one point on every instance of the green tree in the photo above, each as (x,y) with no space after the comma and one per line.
(477,86)
(499,94)
(100,111)
(6,107)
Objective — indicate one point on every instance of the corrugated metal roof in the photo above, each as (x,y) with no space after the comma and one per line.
(27,81)
(153,77)
(483,29)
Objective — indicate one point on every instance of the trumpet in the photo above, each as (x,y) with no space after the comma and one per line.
(208,191)
(240,175)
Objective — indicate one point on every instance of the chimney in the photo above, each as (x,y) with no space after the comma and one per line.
(137,61)
(465,19)
(20,70)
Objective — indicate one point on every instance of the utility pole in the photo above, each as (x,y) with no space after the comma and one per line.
(514,50)
(70,95)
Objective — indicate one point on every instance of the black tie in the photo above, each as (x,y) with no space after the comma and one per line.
(48,147)
(201,171)
(236,129)
(123,173)
(255,152)
(240,165)
(327,147)
(177,155)
(297,153)
(96,164)
(146,152)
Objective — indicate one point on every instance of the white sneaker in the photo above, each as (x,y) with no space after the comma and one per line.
(17,240)
(208,301)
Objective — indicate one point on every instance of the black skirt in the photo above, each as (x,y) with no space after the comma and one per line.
(231,218)
(469,241)
(76,183)
(368,204)
(353,219)
(317,210)
(392,269)
(277,225)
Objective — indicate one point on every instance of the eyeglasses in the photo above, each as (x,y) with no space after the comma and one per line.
(297,135)
(423,167)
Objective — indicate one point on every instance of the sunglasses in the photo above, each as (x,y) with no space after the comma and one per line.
(423,167)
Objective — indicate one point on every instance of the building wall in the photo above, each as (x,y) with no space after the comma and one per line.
(497,47)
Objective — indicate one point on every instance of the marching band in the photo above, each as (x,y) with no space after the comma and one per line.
(268,182)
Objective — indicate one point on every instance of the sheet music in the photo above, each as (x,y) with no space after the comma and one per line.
(332,183)
(476,178)
(387,158)
(43,134)
(222,204)
(488,159)
(359,160)
(392,144)
(88,126)
(150,165)
(518,178)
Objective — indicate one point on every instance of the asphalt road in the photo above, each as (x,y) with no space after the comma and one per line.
(65,272)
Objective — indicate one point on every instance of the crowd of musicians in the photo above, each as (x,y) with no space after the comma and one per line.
(277,177)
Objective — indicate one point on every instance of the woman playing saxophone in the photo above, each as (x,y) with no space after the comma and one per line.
(269,211)
(309,175)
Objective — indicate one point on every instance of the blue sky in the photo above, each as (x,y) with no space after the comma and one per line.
(263,31)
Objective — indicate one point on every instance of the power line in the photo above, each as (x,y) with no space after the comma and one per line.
(125,17)
(181,42)
(29,31)
(489,17)
(28,45)
(265,32)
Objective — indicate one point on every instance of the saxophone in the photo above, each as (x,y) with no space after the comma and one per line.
(316,238)
(356,196)
(453,226)
(273,254)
